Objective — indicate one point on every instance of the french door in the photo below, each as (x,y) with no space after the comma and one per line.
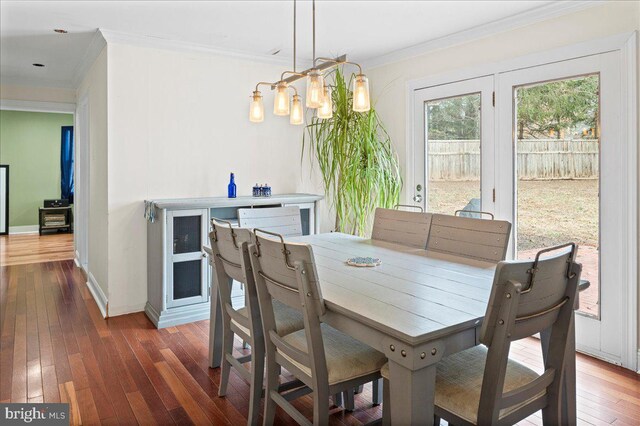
(453,150)
(565,179)
(542,147)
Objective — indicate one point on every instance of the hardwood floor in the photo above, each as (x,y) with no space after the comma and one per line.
(55,347)
(33,248)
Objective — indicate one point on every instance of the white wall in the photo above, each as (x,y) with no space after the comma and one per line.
(37,94)
(94,86)
(178,125)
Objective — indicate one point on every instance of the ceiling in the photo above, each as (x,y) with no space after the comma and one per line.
(363,29)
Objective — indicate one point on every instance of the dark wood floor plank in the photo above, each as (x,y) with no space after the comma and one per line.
(55,346)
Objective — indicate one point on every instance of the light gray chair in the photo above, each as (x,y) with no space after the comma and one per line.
(229,247)
(409,228)
(479,239)
(285,221)
(482,386)
(326,360)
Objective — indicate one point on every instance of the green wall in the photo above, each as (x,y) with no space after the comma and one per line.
(30,145)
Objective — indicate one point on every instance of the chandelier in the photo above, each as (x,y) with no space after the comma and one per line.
(318,95)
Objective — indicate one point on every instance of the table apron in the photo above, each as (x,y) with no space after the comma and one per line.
(412,357)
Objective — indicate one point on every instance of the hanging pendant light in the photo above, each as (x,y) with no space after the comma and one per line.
(315,89)
(256,110)
(318,95)
(361,101)
(297,115)
(281,99)
(326,109)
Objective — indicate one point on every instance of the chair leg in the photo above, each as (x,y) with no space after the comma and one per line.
(436,421)
(377,392)
(257,376)
(273,373)
(359,389)
(225,366)
(386,403)
(320,409)
(349,400)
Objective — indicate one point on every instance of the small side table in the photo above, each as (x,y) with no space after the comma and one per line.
(64,213)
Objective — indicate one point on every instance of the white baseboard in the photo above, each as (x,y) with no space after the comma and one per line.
(27,229)
(123,310)
(638,363)
(98,295)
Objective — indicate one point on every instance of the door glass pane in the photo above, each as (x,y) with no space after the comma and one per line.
(187,279)
(186,234)
(453,154)
(558,151)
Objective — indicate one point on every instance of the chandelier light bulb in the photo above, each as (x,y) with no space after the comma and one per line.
(297,116)
(326,109)
(256,110)
(315,89)
(281,100)
(361,102)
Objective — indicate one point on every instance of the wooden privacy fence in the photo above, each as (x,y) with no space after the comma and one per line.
(537,159)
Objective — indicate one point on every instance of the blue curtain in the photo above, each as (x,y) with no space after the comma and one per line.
(66,164)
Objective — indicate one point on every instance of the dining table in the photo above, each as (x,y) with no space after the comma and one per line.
(416,307)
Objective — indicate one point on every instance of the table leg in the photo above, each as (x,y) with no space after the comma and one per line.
(411,394)
(215,326)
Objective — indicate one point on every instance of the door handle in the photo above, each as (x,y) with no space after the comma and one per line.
(417,198)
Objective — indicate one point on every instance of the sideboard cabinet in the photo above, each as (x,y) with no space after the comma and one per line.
(178,271)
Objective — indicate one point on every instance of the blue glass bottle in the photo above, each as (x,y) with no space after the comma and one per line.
(231,189)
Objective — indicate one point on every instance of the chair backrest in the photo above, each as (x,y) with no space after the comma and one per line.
(480,239)
(230,247)
(286,272)
(527,298)
(401,227)
(282,220)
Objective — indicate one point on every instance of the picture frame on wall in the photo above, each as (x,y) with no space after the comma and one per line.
(4,199)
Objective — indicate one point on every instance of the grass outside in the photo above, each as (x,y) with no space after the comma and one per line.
(550,212)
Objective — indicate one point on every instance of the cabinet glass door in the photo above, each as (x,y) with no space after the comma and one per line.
(187,281)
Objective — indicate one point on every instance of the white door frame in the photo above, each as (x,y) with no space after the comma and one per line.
(480,85)
(82,173)
(625,43)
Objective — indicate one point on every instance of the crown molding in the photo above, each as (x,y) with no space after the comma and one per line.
(37,106)
(98,42)
(543,13)
(115,37)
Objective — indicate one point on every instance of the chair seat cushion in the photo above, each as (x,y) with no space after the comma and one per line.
(288,319)
(347,358)
(459,382)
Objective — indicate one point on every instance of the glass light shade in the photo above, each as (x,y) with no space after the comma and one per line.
(361,101)
(315,89)
(256,110)
(297,116)
(326,109)
(281,100)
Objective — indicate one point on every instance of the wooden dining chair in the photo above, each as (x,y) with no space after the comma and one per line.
(285,221)
(326,360)
(231,262)
(482,385)
(409,228)
(472,238)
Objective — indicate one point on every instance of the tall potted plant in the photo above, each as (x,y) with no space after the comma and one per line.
(359,166)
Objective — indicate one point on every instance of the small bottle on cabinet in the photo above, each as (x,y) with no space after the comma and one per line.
(231,189)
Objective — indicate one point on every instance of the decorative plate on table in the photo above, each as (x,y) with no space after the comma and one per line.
(363,261)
